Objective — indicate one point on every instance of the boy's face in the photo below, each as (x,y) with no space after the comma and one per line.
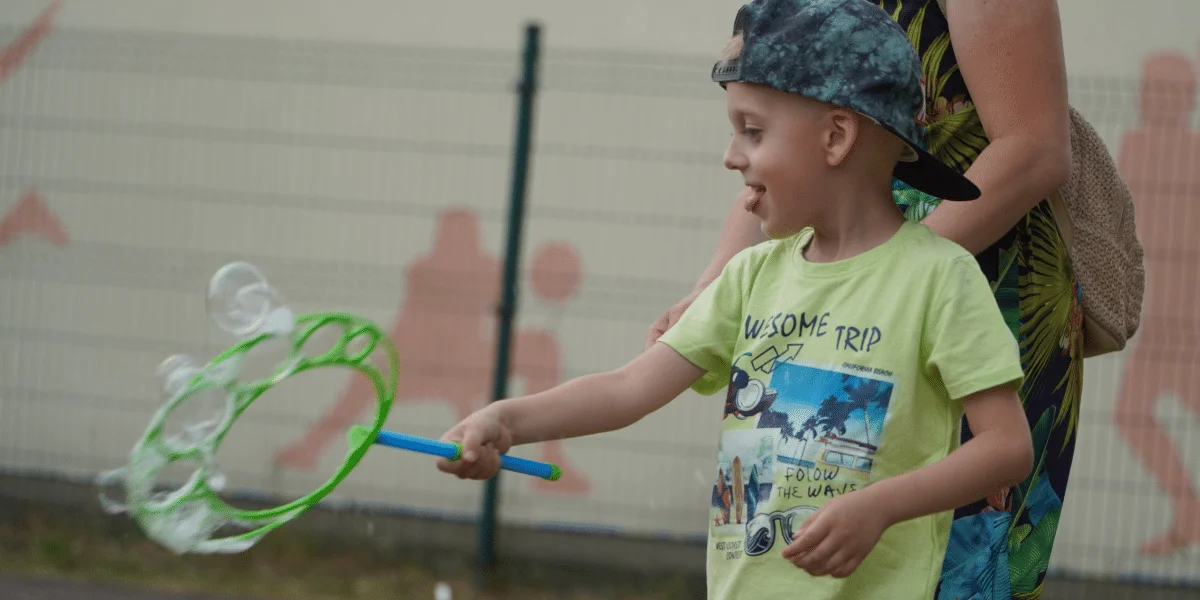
(777,147)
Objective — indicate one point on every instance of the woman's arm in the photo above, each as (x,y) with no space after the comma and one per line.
(741,230)
(1011,58)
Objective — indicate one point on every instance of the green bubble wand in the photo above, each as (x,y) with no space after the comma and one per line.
(241,302)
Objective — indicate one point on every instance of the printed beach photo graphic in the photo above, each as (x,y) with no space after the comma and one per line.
(829,420)
(745,476)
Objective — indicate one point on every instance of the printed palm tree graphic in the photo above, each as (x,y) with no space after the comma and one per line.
(835,412)
(787,432)
(832,416)
(862,396)
(808,429)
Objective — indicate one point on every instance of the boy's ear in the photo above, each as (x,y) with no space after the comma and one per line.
(841,133)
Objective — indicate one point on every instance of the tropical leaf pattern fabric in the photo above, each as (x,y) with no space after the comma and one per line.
(1000,547)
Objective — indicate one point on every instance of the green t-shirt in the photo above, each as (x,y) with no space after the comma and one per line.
(837,375)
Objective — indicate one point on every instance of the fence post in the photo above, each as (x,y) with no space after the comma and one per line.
(506,310)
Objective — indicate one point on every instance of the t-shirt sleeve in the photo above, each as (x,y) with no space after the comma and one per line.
(707,333)
(969,347)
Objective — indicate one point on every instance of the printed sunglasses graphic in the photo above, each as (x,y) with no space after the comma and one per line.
(760,531)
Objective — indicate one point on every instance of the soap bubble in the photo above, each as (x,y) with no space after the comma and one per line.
(112,491)
(197,417)
(227,545)
(185,525)
(269,359)
(241,302)
(216,481)
(173,480)
(176,372)
(225,372)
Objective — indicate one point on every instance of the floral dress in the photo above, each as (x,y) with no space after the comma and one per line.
(1000,547)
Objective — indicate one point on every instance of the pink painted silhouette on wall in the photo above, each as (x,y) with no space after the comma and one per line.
(1161,161)
(20,49)
(30,215)
(444,334)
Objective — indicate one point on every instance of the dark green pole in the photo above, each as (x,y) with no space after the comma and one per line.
(506,311)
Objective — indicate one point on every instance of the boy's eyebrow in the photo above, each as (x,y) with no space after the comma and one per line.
(742,112)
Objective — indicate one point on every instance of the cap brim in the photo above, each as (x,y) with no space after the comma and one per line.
(934,177)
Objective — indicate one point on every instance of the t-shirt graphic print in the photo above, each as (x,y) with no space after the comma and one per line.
(801,433)
(836,375)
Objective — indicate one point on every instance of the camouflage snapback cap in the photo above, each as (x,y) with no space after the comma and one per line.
(851,54)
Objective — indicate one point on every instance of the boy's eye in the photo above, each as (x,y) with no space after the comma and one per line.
(751,132)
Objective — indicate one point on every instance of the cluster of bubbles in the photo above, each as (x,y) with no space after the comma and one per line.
(201,403)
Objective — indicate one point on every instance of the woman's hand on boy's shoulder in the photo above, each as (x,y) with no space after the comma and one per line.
(669,318)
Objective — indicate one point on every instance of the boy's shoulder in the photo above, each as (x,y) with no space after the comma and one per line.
(937,265)
(930,245)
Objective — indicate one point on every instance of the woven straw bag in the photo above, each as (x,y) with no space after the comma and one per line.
(1095,215)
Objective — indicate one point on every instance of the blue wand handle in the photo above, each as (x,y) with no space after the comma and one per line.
(453,451)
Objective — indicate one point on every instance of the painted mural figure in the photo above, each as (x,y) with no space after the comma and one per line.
(30,215)
(450,295)
(1160,159)
(20,49)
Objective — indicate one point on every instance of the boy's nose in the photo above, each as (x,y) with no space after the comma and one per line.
(734,160)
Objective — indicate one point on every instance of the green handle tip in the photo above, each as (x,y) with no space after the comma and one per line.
(457,451)
(555,472)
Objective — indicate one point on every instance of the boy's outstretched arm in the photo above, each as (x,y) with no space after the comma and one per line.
(836,538)
(582,406)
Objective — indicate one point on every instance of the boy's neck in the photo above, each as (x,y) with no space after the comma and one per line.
(859,217)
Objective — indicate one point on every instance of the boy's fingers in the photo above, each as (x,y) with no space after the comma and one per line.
(484,468)
(811,532)
(463,470)
(471,444)
(814,544)
(816,561)
(447,466)
(469,472)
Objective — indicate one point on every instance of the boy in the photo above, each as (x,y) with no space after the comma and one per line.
(850,344)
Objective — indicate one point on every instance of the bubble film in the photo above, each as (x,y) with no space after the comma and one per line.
(202,402)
